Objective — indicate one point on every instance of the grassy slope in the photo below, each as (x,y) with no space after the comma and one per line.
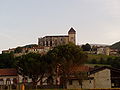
(98,57)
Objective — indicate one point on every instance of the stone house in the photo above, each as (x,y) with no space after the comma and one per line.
(103,50)
(40,50)
(74,82)
(9,50)
(102,77)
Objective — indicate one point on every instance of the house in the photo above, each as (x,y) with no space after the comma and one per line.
(74,81)
(114,52)
(103,50)
(8,76)
(40,50)
(102,77)
(54,41)
(106,77)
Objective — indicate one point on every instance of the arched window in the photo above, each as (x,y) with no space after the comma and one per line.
(8,81)
(1,82)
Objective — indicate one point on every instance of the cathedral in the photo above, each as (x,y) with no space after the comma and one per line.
(54,41)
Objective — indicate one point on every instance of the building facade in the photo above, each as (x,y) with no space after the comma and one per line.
(101,77)
(8,76)
(54,41)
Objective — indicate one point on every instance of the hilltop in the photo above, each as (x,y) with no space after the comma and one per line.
(116,45)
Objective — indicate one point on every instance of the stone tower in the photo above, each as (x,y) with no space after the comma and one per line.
(72,35)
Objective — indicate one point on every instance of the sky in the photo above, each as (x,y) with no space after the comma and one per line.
(23,21)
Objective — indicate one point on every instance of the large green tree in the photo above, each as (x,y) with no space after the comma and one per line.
(32,65)
(61,57)
(65,56)
(7,60)
(86,47)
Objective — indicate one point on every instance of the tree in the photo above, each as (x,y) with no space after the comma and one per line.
(65,56)
(6,60)
(86,47)
(93,61)
(61,57)
(18,50)
(102,61)
(33,66)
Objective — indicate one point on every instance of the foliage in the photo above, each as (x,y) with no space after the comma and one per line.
(18,50)
(86,47)
(30,46)
(6,60)
(68,53)
(114,62)
(65,56)
(93,61)
(116,45)
(32,65)
(98,57)
(35,66)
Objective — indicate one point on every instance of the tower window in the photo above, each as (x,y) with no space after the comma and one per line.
(50,43)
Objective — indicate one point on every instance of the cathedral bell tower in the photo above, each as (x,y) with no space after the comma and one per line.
(72,36)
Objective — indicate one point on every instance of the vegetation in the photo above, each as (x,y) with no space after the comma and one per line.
(114,62)
(56,61)
(86,47)
(7,60)
(61,57)
(18,50)
(116,46)
(32,65)
(65,56)
(30,46)
(98,57)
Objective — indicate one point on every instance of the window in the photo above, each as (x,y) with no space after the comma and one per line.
(70,82)
(90,81)
(46,43)
(50,43)
(1,82)
(43,43)
(8,81)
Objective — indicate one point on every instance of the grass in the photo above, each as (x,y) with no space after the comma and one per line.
(98,57)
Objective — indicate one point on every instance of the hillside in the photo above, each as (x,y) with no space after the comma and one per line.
(116,46)
(98,57)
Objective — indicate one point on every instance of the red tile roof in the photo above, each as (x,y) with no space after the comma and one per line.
(80,68)
(8,72)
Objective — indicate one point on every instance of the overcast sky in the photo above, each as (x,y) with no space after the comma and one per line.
(23,21)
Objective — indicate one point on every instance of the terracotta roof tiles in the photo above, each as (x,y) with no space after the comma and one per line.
(8,72)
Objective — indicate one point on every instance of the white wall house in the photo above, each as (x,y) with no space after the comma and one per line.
(8,76)
(103,77)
